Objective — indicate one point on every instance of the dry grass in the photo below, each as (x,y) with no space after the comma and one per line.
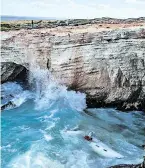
(81,27)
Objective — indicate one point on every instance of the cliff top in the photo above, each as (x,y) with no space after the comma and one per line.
(97,23)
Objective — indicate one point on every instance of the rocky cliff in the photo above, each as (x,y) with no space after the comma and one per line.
(11,71)
(107,62)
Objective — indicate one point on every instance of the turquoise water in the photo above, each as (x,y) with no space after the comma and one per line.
(34,134)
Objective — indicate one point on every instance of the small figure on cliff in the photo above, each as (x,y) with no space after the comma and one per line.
(32,24)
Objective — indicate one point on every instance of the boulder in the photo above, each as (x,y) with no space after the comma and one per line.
(11,71)
(10,104)
(141,165)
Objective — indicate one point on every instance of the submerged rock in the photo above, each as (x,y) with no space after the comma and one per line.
(127,166)
(10,104)
(11,71)
(142,165)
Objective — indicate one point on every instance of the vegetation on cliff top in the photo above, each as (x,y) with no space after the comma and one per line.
(29,24)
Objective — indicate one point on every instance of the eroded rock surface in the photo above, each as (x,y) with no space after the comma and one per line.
(142,165)
(11,71)
(107,64)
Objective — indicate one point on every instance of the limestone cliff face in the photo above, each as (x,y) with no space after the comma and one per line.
(107,64)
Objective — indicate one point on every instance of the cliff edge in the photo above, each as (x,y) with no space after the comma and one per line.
(106,62)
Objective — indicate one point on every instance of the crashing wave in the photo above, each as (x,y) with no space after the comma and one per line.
(13,95)
(49,92)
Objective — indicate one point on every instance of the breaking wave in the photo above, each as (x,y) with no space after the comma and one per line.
(48,91)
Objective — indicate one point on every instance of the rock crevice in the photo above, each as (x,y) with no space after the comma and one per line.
(11,71)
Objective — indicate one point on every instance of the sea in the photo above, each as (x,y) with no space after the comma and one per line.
(47,124)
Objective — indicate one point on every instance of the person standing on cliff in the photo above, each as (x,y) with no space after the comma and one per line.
(32,24)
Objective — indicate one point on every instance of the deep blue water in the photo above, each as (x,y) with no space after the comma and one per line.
(14,18)
(36,137)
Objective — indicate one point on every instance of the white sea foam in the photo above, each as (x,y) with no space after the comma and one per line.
(24,127)
(34,160)
(47,137)
(21,98)
(48,92)
(49,127)
(5,147)
(13,92)
(78,159)
(11,88)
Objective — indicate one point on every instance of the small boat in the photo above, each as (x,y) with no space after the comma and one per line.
(96,145)
(103,149)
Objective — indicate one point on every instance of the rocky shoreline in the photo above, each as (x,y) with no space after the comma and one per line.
(108,64)
(142,165)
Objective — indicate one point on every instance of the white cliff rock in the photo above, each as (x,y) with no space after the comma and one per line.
(107,64)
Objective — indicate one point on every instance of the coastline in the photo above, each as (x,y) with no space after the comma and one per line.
(105,63)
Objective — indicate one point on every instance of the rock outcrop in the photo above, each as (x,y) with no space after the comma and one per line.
(11,72)
(142,165)
(108,64)
(8,105)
